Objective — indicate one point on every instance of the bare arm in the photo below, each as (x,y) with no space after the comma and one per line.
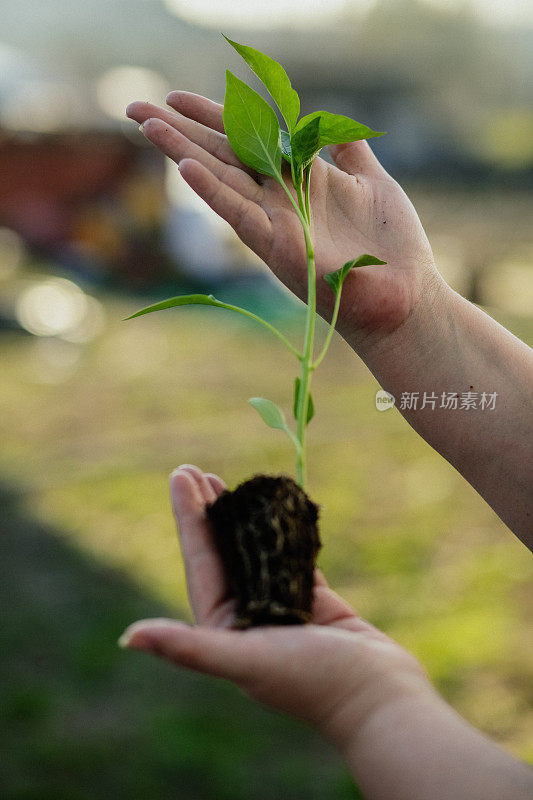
(467,388)
(419,748)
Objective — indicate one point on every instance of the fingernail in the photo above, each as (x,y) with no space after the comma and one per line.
(124,640)
(177,470)
(141,626)
(146,646)
(143,125)
(146,633)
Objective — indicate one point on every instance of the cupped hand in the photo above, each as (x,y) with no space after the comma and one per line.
(356,207)
(332,673)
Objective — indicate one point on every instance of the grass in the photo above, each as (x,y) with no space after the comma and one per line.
(90,546)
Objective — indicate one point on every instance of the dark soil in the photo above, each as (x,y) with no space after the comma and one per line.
(267,534)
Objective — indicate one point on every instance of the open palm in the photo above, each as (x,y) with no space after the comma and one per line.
(356,207)
(191,490)
(317,671)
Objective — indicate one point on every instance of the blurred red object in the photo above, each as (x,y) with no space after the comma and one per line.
(45,179)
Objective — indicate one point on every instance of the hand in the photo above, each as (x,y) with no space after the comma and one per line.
(356,207)
(339,673)
(334,672)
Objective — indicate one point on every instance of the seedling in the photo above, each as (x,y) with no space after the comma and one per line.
(255,135)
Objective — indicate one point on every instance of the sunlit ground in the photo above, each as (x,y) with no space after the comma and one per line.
(90,432)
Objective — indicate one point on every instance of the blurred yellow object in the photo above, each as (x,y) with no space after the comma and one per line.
(509,284)
(507,138)
(99,234)
(144,199)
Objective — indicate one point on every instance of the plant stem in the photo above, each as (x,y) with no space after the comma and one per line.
(302,208)
(331,329)
(307,359)
(301,215)
(270,327)
(307,191)
(301,205)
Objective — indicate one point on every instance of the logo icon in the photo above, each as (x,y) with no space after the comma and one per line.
(384,400)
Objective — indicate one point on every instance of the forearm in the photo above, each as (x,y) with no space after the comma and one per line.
(446,347)
(418,748)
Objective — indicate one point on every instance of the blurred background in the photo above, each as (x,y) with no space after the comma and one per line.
(95,412)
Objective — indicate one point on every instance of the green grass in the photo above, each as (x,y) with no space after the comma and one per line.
(406,540)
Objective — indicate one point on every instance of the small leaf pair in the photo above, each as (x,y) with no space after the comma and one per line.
(253,129)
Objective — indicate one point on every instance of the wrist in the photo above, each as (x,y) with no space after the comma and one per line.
(413,330)
(416,747)
(374,693)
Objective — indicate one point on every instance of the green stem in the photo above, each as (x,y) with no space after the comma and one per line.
(301,216)
(270,328)
(331,329)
(307,191)
(302,209)
(301,203)
(307,359)
(307,369)
(293,174)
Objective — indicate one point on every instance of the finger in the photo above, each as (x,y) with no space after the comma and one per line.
(212,141)
(248,658)
(199,108)
(217,483)
(206,490)
(320,579)
(250,222)
(213,651)
(355,158)
(329,607)
(206,584)
(177,147)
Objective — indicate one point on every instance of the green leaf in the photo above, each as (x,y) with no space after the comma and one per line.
(186,300)
(337,278)
(310,407)
(269,412)
(209,300)
(296,396)
(275,79)
(274,417)
(336,128)
(305,143)
(251,127)
(286,146)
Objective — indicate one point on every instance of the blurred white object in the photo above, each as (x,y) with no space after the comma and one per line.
(58,307)
(119,86)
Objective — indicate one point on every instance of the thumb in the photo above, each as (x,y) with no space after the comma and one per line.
(355,158)
(213,651)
